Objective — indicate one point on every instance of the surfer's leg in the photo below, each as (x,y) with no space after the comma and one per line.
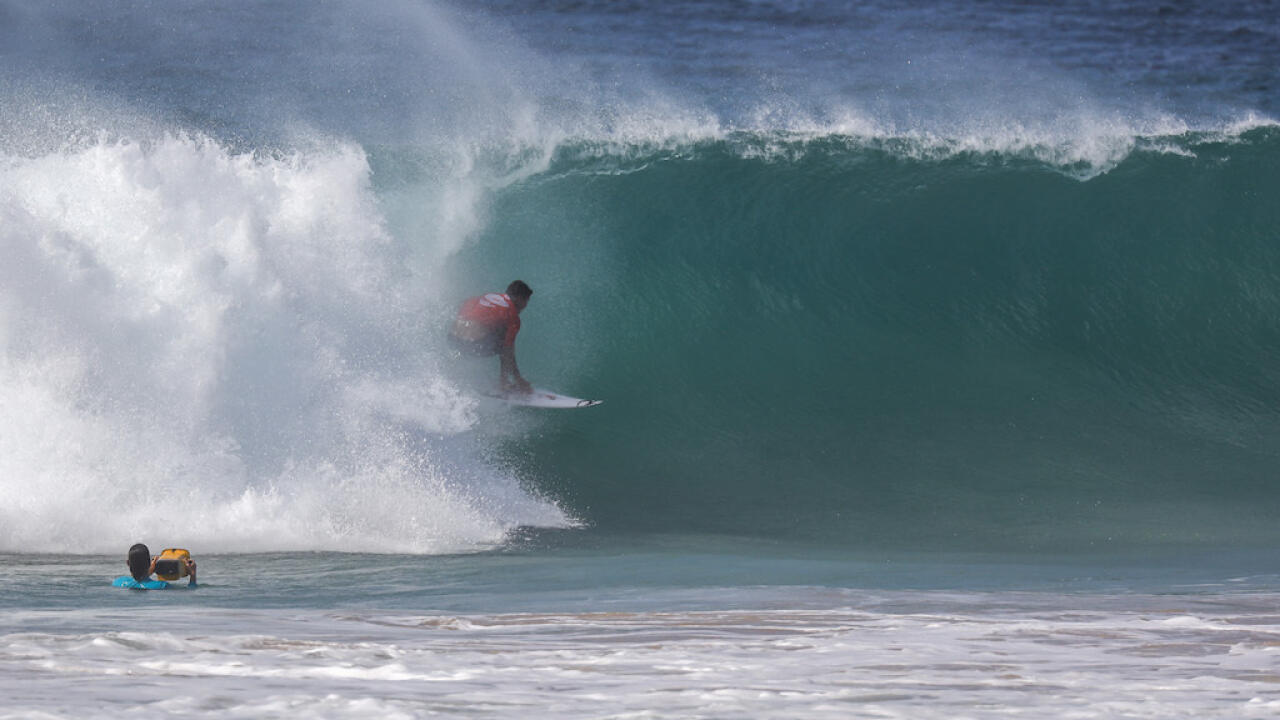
(481,347)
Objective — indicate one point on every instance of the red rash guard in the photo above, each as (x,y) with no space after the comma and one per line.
(493,311)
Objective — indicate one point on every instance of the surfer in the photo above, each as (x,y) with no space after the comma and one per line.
(487,325)
(142,564)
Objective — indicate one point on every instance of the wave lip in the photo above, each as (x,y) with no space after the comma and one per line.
(1083,149)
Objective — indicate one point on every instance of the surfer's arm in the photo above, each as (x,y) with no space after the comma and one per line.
(511,378)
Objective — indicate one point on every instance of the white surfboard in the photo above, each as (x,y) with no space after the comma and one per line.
(544,399)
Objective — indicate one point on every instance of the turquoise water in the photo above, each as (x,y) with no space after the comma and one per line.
(909,346)
(654,573)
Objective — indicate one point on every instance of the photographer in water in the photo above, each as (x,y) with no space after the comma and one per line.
(171,564)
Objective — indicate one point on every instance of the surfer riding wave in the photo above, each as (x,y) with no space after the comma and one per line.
(487,325)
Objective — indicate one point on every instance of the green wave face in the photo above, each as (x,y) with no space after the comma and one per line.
(902,346)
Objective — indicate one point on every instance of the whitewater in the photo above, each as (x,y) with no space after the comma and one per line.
(938,345)
(200,345)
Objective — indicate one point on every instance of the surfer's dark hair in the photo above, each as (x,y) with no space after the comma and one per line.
(518,289)
(139,562)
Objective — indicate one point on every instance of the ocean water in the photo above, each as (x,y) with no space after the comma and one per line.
(938,344)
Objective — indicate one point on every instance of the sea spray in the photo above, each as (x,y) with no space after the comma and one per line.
(226,349)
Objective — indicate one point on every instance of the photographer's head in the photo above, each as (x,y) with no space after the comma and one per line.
(139,562)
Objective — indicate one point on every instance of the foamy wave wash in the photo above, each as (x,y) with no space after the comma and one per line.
(1082,146)
(228,351)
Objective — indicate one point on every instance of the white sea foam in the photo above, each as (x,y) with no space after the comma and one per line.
(226,349)
(1082,145)
(905,655)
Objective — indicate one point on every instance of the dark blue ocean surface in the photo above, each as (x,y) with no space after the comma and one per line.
(396,70)
(925,60)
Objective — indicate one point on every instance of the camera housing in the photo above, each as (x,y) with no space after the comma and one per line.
(171,565)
